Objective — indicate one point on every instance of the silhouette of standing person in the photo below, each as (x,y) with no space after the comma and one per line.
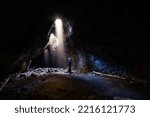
(69,65)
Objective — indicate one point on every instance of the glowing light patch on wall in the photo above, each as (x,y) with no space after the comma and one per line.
(53,41)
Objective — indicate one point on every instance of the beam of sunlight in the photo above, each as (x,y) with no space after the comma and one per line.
(61,42)
(56,45)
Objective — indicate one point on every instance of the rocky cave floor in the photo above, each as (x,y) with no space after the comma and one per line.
(48,84)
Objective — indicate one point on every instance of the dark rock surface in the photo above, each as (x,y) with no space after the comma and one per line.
(60,85)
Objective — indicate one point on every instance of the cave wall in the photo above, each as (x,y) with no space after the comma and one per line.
(116,32)
(24,28)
